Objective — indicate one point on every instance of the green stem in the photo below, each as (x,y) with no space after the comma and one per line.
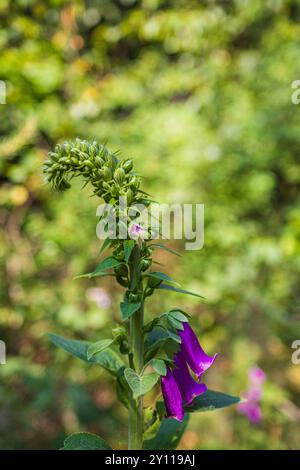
(135,422)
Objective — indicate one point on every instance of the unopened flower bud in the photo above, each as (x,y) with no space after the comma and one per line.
(119,331)
(153,282)
(114,191)
(88,163)
(119,175)
(128,165)
(134,297)
(105,185)
(145,264)
(107,173)
(129,196)
(121,270)
(99,162)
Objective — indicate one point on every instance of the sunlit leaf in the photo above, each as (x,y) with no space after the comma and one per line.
(85,441)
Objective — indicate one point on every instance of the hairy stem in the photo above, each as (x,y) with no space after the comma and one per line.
(135,428)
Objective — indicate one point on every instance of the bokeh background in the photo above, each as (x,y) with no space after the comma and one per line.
(199,95)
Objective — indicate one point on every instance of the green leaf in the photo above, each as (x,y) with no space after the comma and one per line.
(75,347)
(107,359)
(128,309)
(140,385)
(166,248)
(161,276)
(169,434)
(159,338)
(122,388)
(99,346)
(211,400)
(128,247)
(175,324)
(105,245)
(159,366)
(108,263)
(176,289)
(179,315)
(85,441)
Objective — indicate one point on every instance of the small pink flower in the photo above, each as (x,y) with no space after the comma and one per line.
(137,231)
(257,376)
(99,296)
(251,408)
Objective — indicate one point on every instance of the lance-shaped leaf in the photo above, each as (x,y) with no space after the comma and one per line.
(107,359)
(85,441)
(169,434)
(176,289)
(140,384)
(108,263)
(128,247)
(161,276)
(164,247)
(128,309)
(99,346)
(106,244)
(211,400)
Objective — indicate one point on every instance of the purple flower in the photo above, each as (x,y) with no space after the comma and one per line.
(172,396)
(257,376)
(251,407)
(188,387)
(193,353)
(251,410)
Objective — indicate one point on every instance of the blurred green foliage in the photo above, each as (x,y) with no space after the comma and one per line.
(199,95)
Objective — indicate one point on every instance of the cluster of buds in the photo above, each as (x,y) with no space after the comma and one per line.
(110,177)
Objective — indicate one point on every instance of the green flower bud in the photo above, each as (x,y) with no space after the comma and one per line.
(145,264)
(119,175)
(114,191)
(99,162)
(107,173)
(153,282)
(88,163)
(122,281)
(121,270)
(129,196)
(134,297)
(119,255)
(149,292)
(74,161)
(128,165)
(106,185)
(124,347)
(119,331)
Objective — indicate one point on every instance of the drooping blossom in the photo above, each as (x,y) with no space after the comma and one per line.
(172,396)
(178,386)
(188,387)
(192,351)
(251,407)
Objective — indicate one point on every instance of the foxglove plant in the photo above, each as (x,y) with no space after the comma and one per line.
(166,348)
